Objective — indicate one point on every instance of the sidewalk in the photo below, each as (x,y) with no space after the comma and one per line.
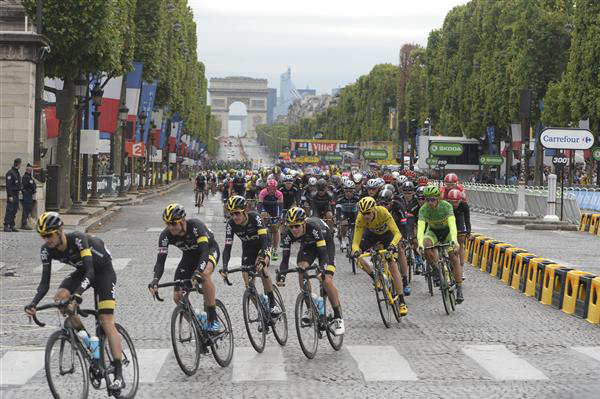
(93,216)
(575,249)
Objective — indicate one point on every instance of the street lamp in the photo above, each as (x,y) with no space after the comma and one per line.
(80,86)
(97,93)
(142,118)
(123,112)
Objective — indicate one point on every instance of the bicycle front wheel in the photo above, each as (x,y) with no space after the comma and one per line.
(429,278)
(445,287)
(254,320)
(185,339)
(221,344)
(307,326)
(66,369)
(335,341)
(381,294)
(279,323)
(129,362)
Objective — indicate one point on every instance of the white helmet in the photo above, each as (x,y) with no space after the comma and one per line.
(312,181)
(349,184)
(380,182)
(395,174)
(401,179)
(357,177)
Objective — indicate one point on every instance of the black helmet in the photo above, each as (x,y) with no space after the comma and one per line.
(408,186)
(49,222)
(321,184)
(236,203)
(385,196)
(419,193)
(173,213)
(390,187)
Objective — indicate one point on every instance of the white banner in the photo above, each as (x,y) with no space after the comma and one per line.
(156,156)
(172,157)
(90,142)
(516,131)
(104,147)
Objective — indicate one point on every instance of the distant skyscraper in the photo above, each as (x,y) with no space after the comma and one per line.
(271,103)
(288,93)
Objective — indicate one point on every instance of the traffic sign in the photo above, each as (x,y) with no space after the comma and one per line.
(560,160)
(491,160)
(375,154)
(431,161)
(596,153)
(567,139)
(448,149)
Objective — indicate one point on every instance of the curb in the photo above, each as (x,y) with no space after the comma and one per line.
(572,291)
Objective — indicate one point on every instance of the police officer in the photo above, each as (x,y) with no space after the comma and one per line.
(29,189)
(13,186)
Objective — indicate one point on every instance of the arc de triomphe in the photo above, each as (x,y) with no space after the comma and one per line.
(252,92)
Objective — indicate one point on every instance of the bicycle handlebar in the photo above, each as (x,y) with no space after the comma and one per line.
(187,283)
(60,305)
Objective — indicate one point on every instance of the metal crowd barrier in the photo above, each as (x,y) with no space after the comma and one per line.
(587,198)
(502,200)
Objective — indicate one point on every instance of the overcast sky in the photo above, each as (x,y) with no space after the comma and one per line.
(326,43)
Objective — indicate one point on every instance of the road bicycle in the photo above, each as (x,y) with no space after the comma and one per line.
(258,318)
(410,257)
(350,235)
(446,277)
(312,317)
(188,330)
(385,291)
(72,364)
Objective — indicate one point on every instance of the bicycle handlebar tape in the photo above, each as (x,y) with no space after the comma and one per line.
(498,257)
(572,290)
(593,315)
(517,268)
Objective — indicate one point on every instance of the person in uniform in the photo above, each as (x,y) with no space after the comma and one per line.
(13,186)
(29,189)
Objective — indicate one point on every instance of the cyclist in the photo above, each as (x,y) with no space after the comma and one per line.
(311,187)
(251,192)
(249,228)
(346,209)
(316,241)
(93,268)
(450,182)
(438,223)
(224,188)
(238,184)
(463,219)
(291,194)
(200,188)
(270,205)
(371,189)
(394,207)
(322,203)
(380,229)
(411,206)
(213,183)
(200,258)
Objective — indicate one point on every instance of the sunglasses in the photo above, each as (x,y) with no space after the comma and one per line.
(431,199)
(47,235)
(236,213)
(172,223)
(294,226)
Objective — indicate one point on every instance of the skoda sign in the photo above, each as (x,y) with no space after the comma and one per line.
(447,149)
(567,139)
(596,153)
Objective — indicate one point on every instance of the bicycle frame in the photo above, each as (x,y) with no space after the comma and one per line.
(380,255)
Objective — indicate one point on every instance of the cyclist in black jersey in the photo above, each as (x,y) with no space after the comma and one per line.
(411,206)
(200,257)
(316,241)
(249,228)
(200,188)
(238,185)
(322,203)
(291,195)
(93,268)
(346,209)
(463,219)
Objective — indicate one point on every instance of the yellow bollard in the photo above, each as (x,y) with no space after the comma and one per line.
(509,258)
(518,269)
(498,258)
(548,283)
(532,275)
(571,290)
(594,306)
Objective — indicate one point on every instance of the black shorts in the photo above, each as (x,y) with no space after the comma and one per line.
(104,287)
(189,263)
(308,254)
(460,223)
(249,255)
(370,239)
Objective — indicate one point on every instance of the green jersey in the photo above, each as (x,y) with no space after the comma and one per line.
(436,218)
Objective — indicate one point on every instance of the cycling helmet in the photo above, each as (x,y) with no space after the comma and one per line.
(408,186)
(451,178)
(236,203)
(357,177)
(264,173)
(432,191)
(49,222)
(385,196)
(422,181)
(349,185)
(312,181)
(454,195)
(321,184)
(390,188)
(366,204)
(261,183)
(336,180)
(240,174)
(380,182)
(288,178)
(271,183)
(371,184)
(309,171)
(395,174)
(295,215)
(276,170)
(173,213)
(387,178)
(401,179)
(286,171)
(419,192)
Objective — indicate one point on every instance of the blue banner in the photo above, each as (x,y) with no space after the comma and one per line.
(491,135)
(147,96)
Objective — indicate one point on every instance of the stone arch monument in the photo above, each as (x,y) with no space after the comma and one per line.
(249,91)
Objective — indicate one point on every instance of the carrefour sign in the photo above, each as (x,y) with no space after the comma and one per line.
(567,139)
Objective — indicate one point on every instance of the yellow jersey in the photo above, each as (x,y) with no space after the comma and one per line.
(381,224)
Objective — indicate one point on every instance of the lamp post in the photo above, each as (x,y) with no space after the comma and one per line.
(142,175)
(97,93)
(80,93)
(123,112)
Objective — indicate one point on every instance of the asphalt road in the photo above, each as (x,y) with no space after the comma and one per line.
(498,343)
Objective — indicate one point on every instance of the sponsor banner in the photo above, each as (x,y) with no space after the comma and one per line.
(307,159)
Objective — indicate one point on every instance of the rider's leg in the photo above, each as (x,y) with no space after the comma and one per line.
(461,252)
(393,265)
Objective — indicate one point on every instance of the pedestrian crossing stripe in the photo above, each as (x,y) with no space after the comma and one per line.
(120,263)
(154,229)
(376,363)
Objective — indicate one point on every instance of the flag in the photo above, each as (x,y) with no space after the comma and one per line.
(147,96)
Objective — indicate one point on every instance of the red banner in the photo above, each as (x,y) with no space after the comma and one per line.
(323,147)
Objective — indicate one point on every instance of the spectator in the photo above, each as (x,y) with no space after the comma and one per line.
(13,186)
(29,189)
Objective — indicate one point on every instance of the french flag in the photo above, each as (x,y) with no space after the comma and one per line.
(109,110)
(132,97)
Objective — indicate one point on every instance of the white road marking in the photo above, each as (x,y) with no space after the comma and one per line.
(381,363)
(591,351)
(171,263)
(150,362)
(119,230)
(17,367)
(154,229)
(502,364)
(120,263)
(248,365)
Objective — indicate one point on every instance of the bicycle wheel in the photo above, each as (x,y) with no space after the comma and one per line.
(185,339)
(451,285)
(396,305)
(410,259)
(279,323)
(429,277)
(444,287)
(335,341)
(129,361)
(66,370)
(221,344)
(254,320)
(307,329)
(385,310)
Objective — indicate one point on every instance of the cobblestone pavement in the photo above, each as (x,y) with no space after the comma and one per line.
(498,344)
